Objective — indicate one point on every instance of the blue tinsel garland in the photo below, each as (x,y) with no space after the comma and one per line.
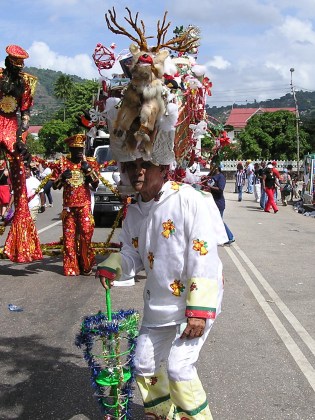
(99,326)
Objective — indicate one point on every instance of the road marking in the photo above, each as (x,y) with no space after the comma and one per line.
(294,350)
(298,327)
(49,226)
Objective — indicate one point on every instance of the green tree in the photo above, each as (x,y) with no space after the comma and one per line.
(63,89)
(52,136)
(80,99)
(308,124)
(35,146)
(272,135)
(54,132)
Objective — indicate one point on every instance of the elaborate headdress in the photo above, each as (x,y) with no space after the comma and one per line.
(147,98)
(78,140)
(16,55)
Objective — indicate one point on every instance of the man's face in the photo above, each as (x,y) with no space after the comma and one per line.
(145,178)
(76,153)
(15,70)
(27,172)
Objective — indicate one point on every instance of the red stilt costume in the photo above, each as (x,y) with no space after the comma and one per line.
(77,219)
(16,93)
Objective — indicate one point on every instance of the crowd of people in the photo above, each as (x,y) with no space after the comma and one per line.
(266,183)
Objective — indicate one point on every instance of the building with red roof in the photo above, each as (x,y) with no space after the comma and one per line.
(34,130)
(239,117)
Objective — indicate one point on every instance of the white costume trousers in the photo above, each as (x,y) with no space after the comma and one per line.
(177,391)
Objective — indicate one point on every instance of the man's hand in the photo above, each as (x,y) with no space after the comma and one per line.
(195,328)
(85,167)
(106,283)
(67,174)
(109,270)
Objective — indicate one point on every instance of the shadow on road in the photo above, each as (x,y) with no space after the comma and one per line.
(51,264)
(41,382)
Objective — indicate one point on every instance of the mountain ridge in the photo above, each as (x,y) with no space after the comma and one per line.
(46,104)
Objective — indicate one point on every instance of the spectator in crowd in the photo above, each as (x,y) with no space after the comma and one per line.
(256,182)
(250,176)
(270,182)
(275,169)
(47,188)
(240,177)
(293,176)
(36,201)
(263,196)
(35,169)
(216,186)
(277,175)
(285,186)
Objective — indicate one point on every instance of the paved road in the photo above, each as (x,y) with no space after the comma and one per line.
(258,362)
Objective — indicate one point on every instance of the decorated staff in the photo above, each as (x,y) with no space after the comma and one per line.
(16,94)
(108,341)
(76,174)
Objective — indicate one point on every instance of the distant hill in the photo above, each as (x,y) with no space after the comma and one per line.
(305,101)
(45,104)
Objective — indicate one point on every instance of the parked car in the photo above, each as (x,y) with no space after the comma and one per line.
(106,203)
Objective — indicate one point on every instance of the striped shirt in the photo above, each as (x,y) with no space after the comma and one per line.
(240,177)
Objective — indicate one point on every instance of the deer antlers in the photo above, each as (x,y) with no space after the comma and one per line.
(183,42)
(142,41)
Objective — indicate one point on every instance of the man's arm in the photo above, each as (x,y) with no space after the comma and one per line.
(204,268)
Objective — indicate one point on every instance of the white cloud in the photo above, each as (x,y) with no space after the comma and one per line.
(218,62)
(296,30)
(248,46)
(43,57)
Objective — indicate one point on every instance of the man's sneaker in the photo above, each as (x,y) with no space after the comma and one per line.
(50,205)
(121,283)
(229,242)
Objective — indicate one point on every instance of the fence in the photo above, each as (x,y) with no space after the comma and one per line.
(230,165)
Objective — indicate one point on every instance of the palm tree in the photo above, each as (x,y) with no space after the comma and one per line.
(62,90)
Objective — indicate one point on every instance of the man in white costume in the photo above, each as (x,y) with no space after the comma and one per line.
(171,232)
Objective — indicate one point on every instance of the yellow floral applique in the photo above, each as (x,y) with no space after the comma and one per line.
(151,259)
(135,242)
(200,246)
(174,186)
(169,228)
(177,287)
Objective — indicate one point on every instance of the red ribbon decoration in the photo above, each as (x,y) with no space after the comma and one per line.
(103,57)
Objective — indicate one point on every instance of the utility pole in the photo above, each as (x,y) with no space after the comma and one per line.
(297,123)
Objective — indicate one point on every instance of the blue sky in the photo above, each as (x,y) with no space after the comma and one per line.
(247,46)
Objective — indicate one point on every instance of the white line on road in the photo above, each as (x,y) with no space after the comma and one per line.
(49,226)
(296,353)
(298,327)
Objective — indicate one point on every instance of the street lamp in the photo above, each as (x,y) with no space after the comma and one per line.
(297,122)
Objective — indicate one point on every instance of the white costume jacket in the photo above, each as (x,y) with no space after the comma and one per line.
(176,244)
